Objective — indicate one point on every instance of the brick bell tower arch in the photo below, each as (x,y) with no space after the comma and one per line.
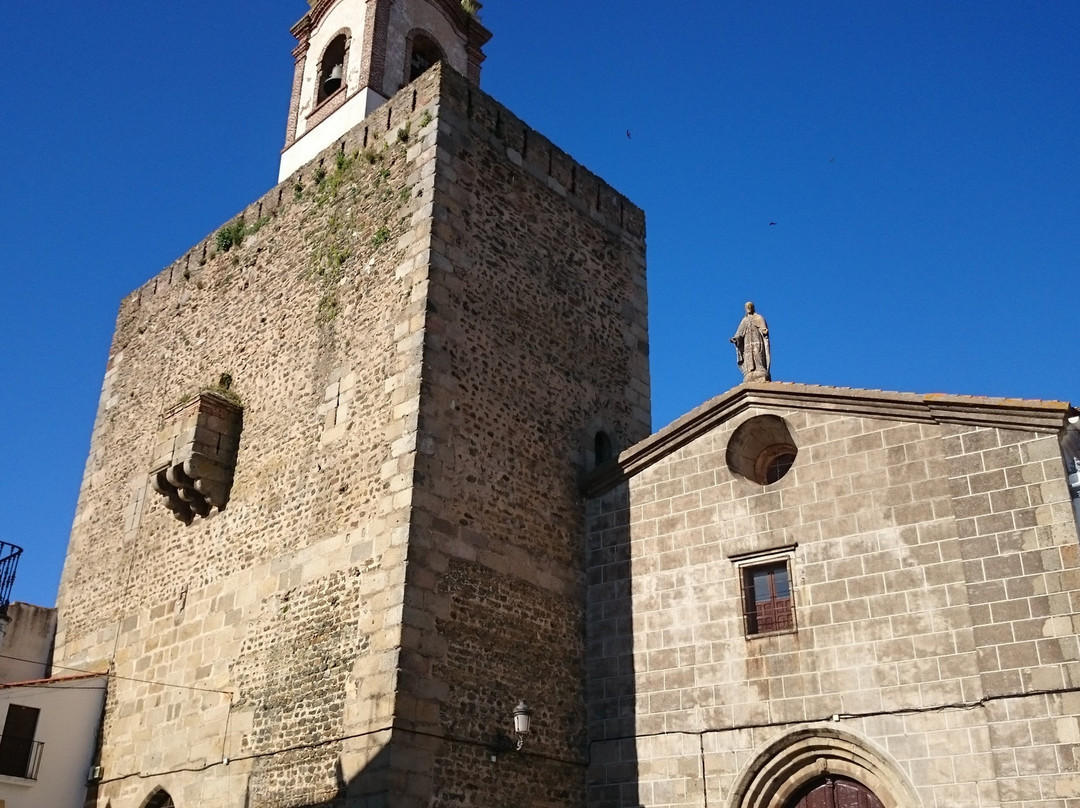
(352,55)
(808,768)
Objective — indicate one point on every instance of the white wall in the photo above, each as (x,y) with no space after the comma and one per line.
(344,118)
(70,714)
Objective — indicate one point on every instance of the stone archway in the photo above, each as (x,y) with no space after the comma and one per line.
(159,798)
(795,765)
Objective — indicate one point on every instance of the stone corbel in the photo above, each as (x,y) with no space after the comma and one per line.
(196,455)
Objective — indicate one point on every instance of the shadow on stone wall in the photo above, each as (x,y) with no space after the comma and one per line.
(609,652)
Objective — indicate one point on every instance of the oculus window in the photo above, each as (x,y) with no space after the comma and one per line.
(762,449)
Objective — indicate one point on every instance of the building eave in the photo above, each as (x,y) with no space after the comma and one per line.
(1048,417)
(56,680)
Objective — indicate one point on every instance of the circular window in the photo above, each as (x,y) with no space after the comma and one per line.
(762,449)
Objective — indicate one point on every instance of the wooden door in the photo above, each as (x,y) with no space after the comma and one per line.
(836,792)
(17,740)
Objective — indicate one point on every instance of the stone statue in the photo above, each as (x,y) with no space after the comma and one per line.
(752,347)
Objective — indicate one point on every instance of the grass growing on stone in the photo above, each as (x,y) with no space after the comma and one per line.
(346,229)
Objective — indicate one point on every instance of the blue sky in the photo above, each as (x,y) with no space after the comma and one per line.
(920,161)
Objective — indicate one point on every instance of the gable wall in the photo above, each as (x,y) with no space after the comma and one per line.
(935,566)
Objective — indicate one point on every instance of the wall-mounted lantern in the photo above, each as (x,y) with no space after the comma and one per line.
(522,725)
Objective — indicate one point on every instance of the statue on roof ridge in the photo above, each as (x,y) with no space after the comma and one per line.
(751,342)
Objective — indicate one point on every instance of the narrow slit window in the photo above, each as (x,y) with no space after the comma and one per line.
(603,450)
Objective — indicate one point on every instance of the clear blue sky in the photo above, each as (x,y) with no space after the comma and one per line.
(920,160)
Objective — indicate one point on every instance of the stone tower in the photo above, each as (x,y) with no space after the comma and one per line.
(351,55)
(330,530)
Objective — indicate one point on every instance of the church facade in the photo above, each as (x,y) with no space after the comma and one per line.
(372,479)
(804,596)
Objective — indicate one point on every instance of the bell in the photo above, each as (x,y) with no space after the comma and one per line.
(333,80)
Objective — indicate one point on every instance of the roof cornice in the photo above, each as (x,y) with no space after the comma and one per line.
(478,35)
(1006,413)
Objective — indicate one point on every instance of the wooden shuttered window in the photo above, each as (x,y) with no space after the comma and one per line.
(768,604)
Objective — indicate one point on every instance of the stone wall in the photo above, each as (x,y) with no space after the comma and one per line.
(26,639)
(934,567)
(424,329)
(536,329)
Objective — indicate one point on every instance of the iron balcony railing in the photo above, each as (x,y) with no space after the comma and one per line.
(9,562)
(20,757)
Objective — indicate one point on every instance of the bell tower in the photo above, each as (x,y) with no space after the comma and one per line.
(352,55)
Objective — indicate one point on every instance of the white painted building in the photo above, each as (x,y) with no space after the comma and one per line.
(47,746)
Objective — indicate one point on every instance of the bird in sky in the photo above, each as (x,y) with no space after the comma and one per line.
(628,133)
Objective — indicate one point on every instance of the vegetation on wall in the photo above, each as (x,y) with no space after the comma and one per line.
(360,197)
(224,388)
(233,234)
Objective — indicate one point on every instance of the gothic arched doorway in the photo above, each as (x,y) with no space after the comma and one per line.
(822,767)
(835,792)
(160,799)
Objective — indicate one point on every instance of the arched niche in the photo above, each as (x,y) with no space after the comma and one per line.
(598,443)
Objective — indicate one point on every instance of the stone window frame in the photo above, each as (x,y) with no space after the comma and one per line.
(603,448)
(762,449)
(746,565)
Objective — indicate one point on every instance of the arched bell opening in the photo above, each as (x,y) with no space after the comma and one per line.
(332,67)
(423,53)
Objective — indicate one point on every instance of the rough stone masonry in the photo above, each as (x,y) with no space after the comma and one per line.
(425,329)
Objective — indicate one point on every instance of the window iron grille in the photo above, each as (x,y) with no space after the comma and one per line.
(20,757)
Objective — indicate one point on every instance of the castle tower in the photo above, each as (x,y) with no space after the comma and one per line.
(352,55)
(330,530)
